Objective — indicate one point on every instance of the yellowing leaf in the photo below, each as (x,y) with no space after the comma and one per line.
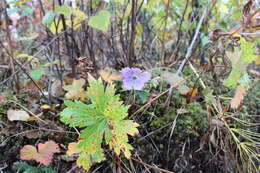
(103,118)
(17,115)
(248,50)
(109,77)
(239,96)
(192,92)
(28,57)
(56,26)
(84,161)
(43,155)
(132,130)
(100,21)
(72,149)
(223,8)
(240,60)
(75,90)
(257,61)
(46,107)
(139,29)
(79,16)
(63,9)
(17,3)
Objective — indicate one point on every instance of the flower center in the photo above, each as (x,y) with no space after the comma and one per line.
(134,77)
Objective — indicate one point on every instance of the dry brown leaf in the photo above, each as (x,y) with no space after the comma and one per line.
(239,96)
(109,76)
(56,88)
(34,134)
(46,107)
(75,90)
(31,86)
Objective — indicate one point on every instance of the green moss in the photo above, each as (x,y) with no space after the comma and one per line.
(193,123)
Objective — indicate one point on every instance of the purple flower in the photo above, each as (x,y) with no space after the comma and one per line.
(134,78)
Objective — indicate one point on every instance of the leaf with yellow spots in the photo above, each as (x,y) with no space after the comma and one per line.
(118,139)
(102,119)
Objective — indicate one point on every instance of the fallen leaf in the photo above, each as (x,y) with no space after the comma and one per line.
(172,78)
(109,76)
(30,85)
(75,90)
(191,95)
(175,80)
(42,155)
(33,118)
(56,88)
(46,107)
(17,115)
(183,89)
(2,98)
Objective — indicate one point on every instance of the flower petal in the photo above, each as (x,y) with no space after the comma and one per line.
(128,84)
(134,78)
(126,72)
(138,85)
(136,71)
(145,77)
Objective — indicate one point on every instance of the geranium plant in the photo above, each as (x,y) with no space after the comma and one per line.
(104,119)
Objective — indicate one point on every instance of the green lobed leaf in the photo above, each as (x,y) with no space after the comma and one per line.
(78,114)
(103,118)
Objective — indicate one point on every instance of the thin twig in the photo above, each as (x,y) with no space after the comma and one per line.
(34,55)
(16,79)
(155,131)
(20,65)
(155,98)
(150,166)
(189,50)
